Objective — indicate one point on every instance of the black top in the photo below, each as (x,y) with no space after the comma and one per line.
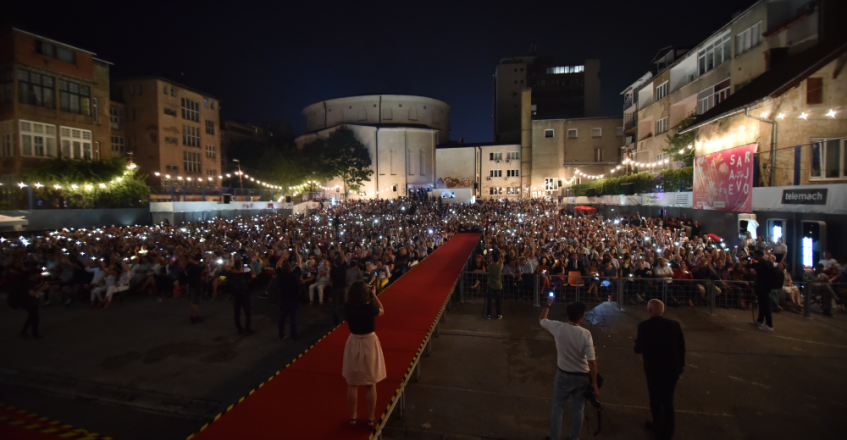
(338,276)
(764,271)
(237,281)
(360,317)
(194,273)
(662,345)
(288,284)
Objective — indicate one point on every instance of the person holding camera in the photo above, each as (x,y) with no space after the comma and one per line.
(363,362)
(577,367)
(662,345)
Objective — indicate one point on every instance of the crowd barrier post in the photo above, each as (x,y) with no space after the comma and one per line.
(536,281)
(806,288)
(619,294)
(710,286)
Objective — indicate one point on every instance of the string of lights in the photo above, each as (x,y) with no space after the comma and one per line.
(87,186)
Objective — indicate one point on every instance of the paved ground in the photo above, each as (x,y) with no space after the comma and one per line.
(493,379)
(140,371)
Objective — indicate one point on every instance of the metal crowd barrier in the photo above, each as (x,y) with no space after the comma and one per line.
(707,295)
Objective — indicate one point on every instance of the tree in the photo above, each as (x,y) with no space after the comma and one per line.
(348,158)
(678,144)
(111,182)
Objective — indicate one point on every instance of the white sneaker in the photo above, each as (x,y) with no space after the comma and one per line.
(756,323)
(766,328)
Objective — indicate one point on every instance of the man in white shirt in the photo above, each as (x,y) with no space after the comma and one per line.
(577,367)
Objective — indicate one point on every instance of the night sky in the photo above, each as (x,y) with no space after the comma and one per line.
(266,61)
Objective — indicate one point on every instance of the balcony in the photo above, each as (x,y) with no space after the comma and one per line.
(631,123)
(628,101)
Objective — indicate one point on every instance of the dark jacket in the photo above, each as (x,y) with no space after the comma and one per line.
(662,345)
(289,285)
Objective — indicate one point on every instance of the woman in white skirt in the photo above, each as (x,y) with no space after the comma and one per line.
(363,361)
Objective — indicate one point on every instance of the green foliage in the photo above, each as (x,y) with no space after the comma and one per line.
(348,159)
(646,182)
(108,183)
(680,142)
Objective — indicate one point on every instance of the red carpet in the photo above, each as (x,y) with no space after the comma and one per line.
(307,399)
(20,425)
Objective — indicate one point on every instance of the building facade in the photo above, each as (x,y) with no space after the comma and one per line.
(53,103)
(559,90)
(171,130)
(401,133)
(694,81)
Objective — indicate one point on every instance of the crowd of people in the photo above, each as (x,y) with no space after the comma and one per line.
(323,252)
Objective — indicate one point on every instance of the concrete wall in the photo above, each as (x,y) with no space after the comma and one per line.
(396,109)
(455,167)
(51,219)
(176,218)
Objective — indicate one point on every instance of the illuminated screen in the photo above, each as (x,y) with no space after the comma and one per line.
(807,252)
(777,233)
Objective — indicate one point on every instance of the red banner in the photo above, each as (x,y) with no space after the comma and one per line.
(723,181)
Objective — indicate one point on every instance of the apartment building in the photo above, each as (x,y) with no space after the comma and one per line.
(696,80)
(559,90)
(172,131)
(53,100)
(492,169)
(566,151)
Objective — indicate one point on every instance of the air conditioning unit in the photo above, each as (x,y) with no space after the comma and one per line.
(497,161)
(488,178)
(508,160)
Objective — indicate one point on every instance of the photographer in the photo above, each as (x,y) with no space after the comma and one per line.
(577,366)
(238,277)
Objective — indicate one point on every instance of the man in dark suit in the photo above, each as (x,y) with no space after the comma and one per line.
(662,345)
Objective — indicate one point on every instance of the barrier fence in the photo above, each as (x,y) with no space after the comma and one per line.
(708,295)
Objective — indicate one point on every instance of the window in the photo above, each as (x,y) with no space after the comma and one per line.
(495,173)
(513,190)
(596,132)
(572,133)
(36,89)
(190,136)
(513,173)
(721,91)
(191,162)
(173,91)
(495,156)
(661,90)
(514,155)
(53,51)
(76,143)
(814,91)
(118,146)
(171,168)
(661,157)
(619,131)
(598,155)
(164,89)
(116,117)
(829,159)
(210,127)
(74,97)
(495,191)
(7,139)
(38,140)
(705,100)
(551,183)
(564,69)
(190,110)
(749,38)
(715,54)
(170,112)
(548,133)
(661,126)
(171,140)
(7,87)
(212,173)
(213,105)
(206,103)
(210,151)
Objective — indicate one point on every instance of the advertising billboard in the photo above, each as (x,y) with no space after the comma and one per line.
(723,181)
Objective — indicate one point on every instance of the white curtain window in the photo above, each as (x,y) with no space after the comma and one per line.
(829,159)
(76,143)
(37,139)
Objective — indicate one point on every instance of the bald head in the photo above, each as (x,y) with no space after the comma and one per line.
(655,308)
